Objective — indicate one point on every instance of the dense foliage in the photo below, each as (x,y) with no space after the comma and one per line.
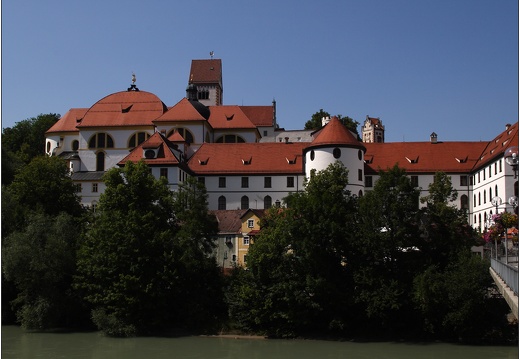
(141,267)
(375,266)
(24,141)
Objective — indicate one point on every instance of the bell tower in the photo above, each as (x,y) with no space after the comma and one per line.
(373,130)
(206,76)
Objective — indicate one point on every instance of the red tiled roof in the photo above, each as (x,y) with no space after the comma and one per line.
(335,133)
(181,111)
(206,71)
(257,212)
(499,144)
(229,220)
(164,156)
(69,121)
(127,108)
(176,137)
(238,158)
(453,157)
(229,117)
(259,115)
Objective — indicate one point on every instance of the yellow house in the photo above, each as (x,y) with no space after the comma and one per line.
(250,227)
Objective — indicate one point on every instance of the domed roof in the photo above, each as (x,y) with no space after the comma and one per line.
(335,133)
(126,108)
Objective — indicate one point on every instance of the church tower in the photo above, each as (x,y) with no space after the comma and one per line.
(206,75)
(373,130)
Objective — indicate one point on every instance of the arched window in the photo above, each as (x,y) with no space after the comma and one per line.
(496,190)
(490,194)
(137,138)
(230,139)
(48,147)
(100,161)
(75,145)
(360,194)
(268,202)
(474,200)
(101,140)
(244,202)
(479,197)
(222,202)
(464,202)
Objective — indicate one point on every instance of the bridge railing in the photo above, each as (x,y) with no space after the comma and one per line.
(507,272)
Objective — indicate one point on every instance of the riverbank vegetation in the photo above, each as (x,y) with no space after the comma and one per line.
(327,264)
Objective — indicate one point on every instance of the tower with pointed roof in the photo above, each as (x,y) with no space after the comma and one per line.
(334,142)
(206,76)
(373,130)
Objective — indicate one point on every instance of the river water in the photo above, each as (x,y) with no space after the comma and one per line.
(19,344)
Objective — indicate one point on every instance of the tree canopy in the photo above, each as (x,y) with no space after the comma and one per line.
(24,141)
(137,271)
(315,122)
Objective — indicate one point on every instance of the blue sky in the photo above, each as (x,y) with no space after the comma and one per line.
(422,66)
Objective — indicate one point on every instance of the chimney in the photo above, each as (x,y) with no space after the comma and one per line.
(433,138)
(286,139)
(507,126)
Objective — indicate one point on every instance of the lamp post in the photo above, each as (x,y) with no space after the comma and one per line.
(511,157)
(496,201)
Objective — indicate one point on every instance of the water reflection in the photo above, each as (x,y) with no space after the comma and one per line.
(19,344)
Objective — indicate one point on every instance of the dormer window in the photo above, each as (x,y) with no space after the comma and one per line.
(462,160)
(150,153)
(291,161)
(247,161)
(412,160)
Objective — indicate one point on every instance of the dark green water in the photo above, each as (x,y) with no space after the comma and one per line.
(18,344)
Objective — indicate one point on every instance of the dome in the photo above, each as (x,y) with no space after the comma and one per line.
(126,108)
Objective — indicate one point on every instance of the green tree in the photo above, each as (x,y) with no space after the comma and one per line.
(315,122)
(24,141)
(203,305)
(44,184)
(40,260)
(445,229)
(141,271)
(298,264)
(452,290)
(386,258)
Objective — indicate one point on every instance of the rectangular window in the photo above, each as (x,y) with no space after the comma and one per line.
(78,188)
(250,223)
(94,187)
(164,173)
(463,180)
(246,241)
(267,182)
(222,182)
(368,181)
(245,182)
(360,175)
(415,181)
(202,180)
(290,182)
(471,180)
